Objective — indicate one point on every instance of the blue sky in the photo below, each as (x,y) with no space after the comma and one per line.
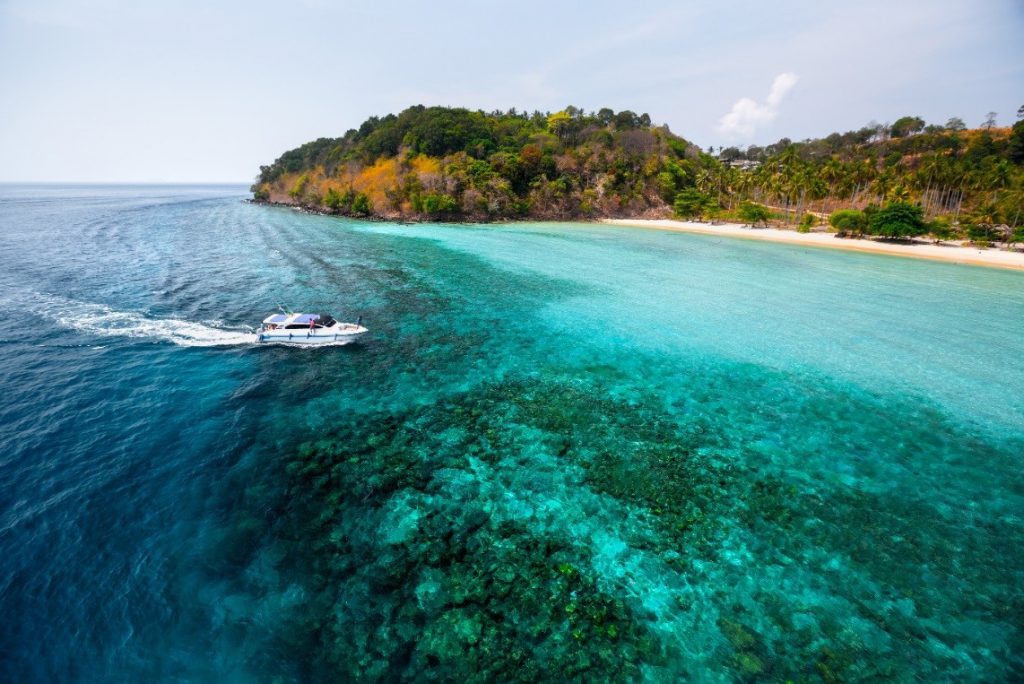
(107,90)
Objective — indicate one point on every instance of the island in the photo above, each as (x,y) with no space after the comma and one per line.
(947,190)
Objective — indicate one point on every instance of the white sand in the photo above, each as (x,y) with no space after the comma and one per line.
(920,250)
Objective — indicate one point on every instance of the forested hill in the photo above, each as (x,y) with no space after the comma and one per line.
(439,162)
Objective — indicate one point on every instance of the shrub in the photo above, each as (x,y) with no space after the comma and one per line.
(754,213)
(361,204)
(848,222)
(940,229)
(338,201)
(439,203)
(299,187)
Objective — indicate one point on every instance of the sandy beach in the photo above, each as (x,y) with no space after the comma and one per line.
(992,257)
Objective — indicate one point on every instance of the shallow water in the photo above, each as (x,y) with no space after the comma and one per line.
(563,452)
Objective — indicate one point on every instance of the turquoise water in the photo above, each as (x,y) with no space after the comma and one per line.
(564,451)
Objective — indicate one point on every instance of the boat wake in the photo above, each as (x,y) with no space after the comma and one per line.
(102,321)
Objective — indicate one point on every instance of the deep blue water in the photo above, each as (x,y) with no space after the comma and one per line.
(564,451)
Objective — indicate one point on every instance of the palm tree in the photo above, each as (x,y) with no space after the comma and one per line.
(704,180)
(831,172)
(899,193)
(881,185)
(999,177)
(930,169)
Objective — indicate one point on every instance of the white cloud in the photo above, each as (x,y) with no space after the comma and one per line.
(746,115)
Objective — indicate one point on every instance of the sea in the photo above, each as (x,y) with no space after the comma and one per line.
(562,452)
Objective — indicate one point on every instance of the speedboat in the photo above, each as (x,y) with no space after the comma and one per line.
(307,329)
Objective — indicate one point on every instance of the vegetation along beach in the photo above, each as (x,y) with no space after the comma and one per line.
(487,342)
(907,180)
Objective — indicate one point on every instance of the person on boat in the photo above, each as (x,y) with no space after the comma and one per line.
(312,324)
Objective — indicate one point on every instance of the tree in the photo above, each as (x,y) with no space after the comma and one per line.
(361,204)
(1015,148)
(667,186)
(956,124)
(849,222)
(559,123)
(332,199)
(983,224)
(690,203)
(754,213)
(625,120)
(906,125)
(990,120)
(729,154)
(898,220)
(1020,112)
(299,187)
(436,204)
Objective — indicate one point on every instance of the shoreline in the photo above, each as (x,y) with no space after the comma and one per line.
(953,254)
(972,256)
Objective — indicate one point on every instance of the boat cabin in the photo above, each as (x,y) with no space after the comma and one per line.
(297,321)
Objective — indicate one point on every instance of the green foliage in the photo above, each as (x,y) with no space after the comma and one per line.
(1016,235)
(436,204)
(849,221)
(906,125)
(261,193)
(361,204)
(332,199)
(559,123)
(754,213)
(898,220)
(299,187)
(667,186)
(572,163)
(691,203)
(941,229)
(981,234)
(1015,148)
(339,202)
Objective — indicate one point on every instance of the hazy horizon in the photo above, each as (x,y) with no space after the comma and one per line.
(104,91)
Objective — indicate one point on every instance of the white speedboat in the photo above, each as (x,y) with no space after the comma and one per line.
(307,329)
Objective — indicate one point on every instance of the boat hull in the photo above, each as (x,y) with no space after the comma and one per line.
(343,333)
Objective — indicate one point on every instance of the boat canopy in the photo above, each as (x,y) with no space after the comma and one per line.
(282,319)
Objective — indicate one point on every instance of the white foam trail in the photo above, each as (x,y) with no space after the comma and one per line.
(96,319)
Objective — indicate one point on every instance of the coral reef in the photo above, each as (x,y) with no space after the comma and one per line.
(535,528)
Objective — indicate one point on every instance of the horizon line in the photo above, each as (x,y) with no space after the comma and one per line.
(109,182)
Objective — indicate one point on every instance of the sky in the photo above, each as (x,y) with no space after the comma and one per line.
(117,91)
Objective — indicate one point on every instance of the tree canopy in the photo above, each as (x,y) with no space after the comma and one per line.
(471,164)
(898,220)
(905,126)
(849,221)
